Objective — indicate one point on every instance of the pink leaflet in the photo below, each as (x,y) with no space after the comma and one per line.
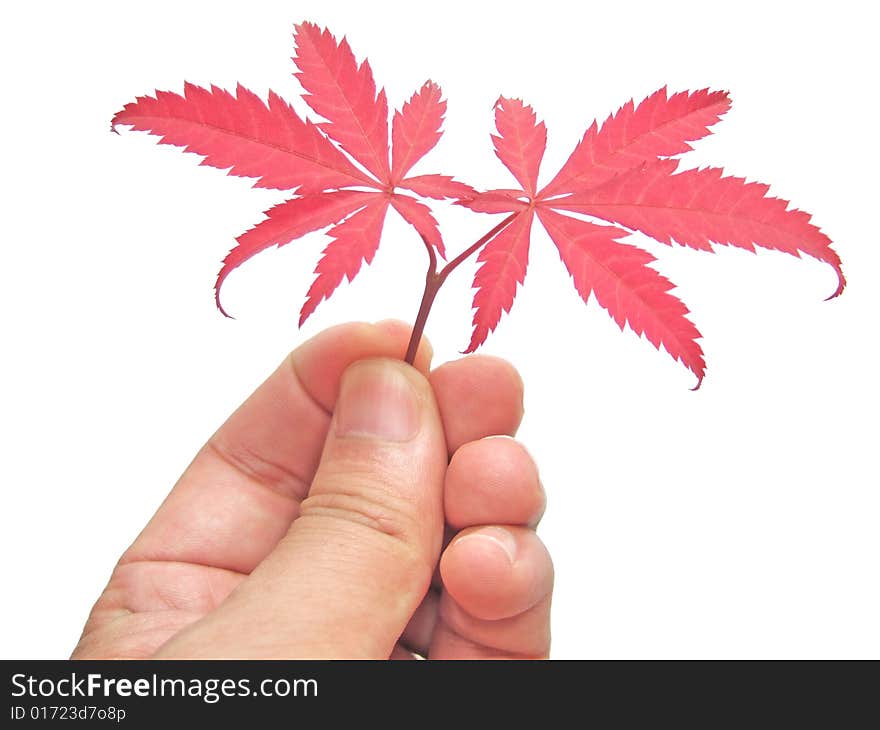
(495,201)
(415,129)
(418,215)
(504,261)
(697,208)
(520,141)
(267,142)
(657,127)
(355,241)
(345,95)
(288,221)
(632,292)
(437,187)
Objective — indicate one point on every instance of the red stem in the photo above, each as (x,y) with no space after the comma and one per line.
(434,280)
(432,285)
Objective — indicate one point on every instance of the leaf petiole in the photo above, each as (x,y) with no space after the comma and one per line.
(434,280)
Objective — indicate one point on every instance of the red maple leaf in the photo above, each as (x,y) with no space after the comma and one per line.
(349,186)
(622,173)
(345,176)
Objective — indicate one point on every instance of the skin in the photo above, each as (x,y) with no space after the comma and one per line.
(353,507)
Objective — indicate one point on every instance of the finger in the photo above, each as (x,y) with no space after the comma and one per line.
(401,654)
(477,396)
(496,604)
(416,637)
(490,482)
(357,562)
(240,494)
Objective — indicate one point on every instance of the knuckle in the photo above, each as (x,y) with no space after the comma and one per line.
(365,501)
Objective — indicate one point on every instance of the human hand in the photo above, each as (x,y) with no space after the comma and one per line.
(345,511)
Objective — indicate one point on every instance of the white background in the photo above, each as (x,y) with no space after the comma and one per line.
(737,521)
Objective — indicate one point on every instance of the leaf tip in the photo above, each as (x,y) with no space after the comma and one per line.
(841,285)
(306,311)
(478,337)
(227,268)
(119,118)
(218,302)
(837,265)
(305,26)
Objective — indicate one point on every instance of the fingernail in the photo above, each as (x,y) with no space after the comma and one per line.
(377,400)
(498,537)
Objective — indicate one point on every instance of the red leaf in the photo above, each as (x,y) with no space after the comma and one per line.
(416,129)
(520,141)
(657,127)
(418,215)
(437,187)
(631,291)
(355,240)
(288,221)
(699,207)
(270,143)
(620,173)
(504,260)
(345,95)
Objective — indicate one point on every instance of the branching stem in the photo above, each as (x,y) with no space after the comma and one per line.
(434,280)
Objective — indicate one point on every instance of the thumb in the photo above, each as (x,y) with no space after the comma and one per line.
(358,560)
